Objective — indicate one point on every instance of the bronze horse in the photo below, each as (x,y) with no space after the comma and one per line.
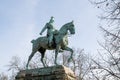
(60,42)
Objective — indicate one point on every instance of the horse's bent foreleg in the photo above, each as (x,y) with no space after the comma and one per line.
(30,57)
(69,49)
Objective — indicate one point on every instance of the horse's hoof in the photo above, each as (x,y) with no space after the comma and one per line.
(69,60)
(56,64)
(26,68)
(45,66)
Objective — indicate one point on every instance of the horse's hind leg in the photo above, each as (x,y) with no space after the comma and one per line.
(30,57)
(42,51)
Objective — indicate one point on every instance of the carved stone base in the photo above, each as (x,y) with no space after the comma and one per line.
(49,73)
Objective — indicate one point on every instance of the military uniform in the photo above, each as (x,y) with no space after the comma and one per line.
(50,31)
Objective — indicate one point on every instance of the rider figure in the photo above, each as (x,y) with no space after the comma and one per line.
(50,30)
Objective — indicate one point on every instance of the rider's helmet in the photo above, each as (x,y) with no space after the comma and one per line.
(51,19)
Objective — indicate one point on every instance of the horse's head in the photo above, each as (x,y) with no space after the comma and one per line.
(71,27)
(67,27)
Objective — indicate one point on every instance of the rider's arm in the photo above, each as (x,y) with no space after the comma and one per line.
(43,29)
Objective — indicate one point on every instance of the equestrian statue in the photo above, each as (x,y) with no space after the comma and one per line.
(54,40)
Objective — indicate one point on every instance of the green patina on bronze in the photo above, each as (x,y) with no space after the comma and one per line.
(50,30)
(55,40)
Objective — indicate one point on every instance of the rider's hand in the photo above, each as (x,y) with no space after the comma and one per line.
(40,33)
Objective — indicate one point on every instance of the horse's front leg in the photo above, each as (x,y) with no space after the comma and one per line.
(69,49)
(56,53)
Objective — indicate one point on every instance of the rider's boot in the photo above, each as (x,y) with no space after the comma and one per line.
(50,41)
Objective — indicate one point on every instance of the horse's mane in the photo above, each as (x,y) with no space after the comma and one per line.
(63,27)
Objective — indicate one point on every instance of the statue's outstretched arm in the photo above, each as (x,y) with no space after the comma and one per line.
(43,29)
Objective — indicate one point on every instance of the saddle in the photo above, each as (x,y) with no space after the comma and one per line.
(53,43)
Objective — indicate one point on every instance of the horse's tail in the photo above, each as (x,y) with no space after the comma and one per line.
(33,41)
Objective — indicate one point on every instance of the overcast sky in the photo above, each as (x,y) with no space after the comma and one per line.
(22,20)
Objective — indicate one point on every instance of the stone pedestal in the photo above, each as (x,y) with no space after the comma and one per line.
(49,73)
